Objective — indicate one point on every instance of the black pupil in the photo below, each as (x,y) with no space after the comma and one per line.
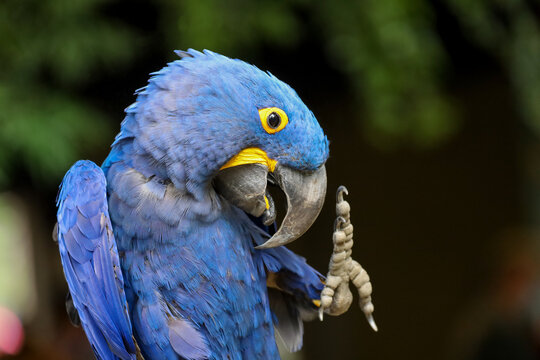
(273,120)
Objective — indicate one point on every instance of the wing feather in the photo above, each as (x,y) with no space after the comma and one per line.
(293,285)
(91,263)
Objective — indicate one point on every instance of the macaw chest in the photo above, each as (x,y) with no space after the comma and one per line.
(190,260)
(205,273)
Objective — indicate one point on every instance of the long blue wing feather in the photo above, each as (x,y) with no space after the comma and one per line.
(293,287)
(91,264)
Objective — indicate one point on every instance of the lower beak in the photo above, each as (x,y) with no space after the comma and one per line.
(245,187)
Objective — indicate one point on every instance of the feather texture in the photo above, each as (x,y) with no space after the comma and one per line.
(90,261)
(187,341)
(150,231)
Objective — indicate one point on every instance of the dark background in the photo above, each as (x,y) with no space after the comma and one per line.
(432,109)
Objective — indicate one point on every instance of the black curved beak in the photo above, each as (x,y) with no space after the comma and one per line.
(245,187)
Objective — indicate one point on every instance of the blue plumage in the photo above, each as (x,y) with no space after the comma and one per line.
(194,285)
(90,260)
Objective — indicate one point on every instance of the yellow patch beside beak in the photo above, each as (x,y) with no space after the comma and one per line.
(251,156)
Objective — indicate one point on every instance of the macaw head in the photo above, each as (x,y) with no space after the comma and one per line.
(210,122)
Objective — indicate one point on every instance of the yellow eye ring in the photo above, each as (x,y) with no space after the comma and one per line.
(273,119)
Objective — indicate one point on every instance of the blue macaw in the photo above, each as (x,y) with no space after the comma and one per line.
(170,248)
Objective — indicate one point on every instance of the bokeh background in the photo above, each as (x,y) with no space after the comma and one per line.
(433,113)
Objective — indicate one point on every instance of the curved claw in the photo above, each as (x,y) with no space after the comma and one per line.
(340,220)
(339,193)
(371,322)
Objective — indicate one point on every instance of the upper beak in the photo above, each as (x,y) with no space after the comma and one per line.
(245,187)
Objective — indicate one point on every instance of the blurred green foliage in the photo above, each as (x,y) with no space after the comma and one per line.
(48,49)
(390,50)
(393,56)
(511,31)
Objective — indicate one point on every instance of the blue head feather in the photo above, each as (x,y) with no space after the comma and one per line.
(173,231)
(206,96)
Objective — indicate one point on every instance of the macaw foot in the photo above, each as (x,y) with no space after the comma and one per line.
(336,297)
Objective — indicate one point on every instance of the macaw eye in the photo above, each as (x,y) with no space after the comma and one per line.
(273,119)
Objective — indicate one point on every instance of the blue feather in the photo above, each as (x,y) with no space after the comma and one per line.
(89,256)
(181,275)
(187,341)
